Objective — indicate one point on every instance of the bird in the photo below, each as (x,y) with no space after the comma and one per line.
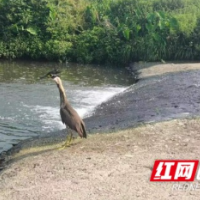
(68,114)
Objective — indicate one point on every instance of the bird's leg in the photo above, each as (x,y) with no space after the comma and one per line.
(70,137)
(68,140)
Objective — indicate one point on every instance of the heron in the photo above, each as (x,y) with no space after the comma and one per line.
(69,116)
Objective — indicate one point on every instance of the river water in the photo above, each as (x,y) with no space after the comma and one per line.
(29,106)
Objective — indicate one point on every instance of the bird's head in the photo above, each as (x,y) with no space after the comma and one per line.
(54,75)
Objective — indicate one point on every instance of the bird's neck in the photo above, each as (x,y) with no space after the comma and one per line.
(63,97)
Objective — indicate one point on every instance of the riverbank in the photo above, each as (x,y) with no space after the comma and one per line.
(114,166)
(105,166)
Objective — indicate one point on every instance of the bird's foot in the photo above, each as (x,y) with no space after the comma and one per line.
(67,143)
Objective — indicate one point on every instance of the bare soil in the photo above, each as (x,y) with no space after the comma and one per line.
(109,166)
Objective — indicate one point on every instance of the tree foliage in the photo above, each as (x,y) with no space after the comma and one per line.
(100,31)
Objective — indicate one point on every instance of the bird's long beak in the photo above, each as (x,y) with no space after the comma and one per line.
(42,77)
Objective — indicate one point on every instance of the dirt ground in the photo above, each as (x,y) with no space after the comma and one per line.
(105,166)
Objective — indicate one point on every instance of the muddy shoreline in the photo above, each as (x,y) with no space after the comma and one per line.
(169,94)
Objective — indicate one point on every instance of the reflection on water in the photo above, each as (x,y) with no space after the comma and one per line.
(28,72)
(30,106)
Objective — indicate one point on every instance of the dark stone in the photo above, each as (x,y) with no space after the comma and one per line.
(159,98)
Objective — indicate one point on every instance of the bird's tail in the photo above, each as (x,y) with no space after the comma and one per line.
(84,131)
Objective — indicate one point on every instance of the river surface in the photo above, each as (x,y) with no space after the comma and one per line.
(29,106)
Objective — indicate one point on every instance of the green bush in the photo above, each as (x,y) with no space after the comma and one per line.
(57,50)
(100,31)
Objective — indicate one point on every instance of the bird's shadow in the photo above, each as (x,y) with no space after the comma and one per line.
(18,158)
(50,148)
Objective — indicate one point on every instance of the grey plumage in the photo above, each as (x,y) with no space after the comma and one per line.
(71,118)
(68,115)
